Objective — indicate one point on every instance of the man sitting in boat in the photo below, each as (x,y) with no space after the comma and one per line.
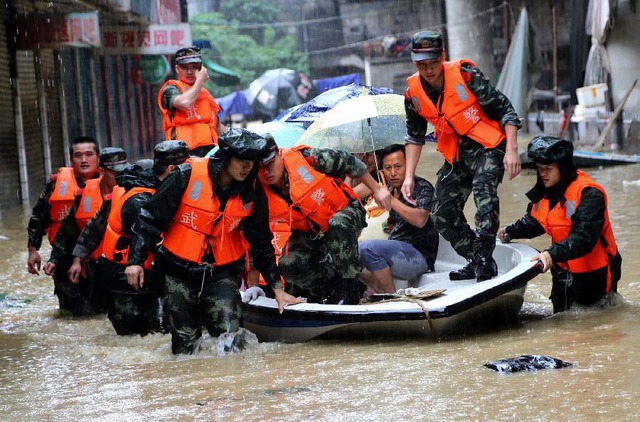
(319,260)
(572,208)
(412,245)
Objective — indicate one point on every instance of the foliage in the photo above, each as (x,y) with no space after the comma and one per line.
(247,52)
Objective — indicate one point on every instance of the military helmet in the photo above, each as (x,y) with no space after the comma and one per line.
(426,45)
(243,144)
(271,146)
(170,153)
(549,149)
(114,159)
(188,55)
(144,163)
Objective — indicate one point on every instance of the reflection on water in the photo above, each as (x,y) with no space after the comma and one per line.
(54,368)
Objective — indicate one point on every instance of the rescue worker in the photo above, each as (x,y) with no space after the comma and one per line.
(321,217)
(56,198)
(476,129)
(202,208)
(572,208)
(131,309)
(189,111)
(87,202)
(53,205)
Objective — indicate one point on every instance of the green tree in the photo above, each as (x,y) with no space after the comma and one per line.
(248,50)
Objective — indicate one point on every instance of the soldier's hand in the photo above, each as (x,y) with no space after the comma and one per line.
(503,236)
(545,258)
(75,270)
(49,268)
(34,261)
(512,164)
(407,189)
(383,198)
(283,298)
(135,276)
(202,74)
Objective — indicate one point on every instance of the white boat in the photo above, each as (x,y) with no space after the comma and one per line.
(463,306)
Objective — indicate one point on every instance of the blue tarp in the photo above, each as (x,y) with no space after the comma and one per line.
(234,103)
(323,85)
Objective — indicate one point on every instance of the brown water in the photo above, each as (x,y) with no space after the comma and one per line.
(54,368)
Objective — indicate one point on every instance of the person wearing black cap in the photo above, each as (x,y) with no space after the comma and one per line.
(476,129)
(87,202)
(54,203)
(202,208)
(571,207)
(189,111)
(131,309)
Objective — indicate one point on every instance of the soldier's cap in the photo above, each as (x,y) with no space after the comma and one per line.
(426,45)
(170,153)
(243,144)
(114,159)
(188,55)
(272,146)
(549,149)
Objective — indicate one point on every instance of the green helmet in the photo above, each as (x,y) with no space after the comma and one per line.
(549,149)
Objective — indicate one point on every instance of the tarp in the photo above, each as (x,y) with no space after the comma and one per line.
(323,85)
(220,75)
(514,78)
(234,103)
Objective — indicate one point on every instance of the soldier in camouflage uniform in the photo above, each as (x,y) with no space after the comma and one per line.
(202,278)
(131,309)
(83,155)
(321,265)
(86,302)
(476,128)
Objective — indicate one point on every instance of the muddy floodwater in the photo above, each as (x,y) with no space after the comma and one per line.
(54,368)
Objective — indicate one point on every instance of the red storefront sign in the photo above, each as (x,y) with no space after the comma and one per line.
(53,31)
(153,39)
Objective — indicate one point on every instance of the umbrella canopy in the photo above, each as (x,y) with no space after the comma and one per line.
(276,90)
(360,124)
(285,134)
(308,112)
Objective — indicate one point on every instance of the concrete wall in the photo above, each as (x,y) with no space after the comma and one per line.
(623,46)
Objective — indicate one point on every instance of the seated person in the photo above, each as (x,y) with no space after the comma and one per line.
(412,245)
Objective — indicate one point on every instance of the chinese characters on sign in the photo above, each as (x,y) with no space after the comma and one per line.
(73,29)
(154,39)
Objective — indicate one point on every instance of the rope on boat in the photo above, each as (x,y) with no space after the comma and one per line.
(419,300)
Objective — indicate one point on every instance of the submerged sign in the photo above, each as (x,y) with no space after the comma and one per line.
(153,39)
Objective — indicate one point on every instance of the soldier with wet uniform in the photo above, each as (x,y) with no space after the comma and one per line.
(323,219)
(206,209)
(131,309)
(476,128)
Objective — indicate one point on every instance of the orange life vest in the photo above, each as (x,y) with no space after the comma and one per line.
(197,126)
(315,196)
(557,224)
(198,225)
(61,199)
(457,113)
(91,200)
(114,227)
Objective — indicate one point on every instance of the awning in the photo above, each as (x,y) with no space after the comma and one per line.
(220,75)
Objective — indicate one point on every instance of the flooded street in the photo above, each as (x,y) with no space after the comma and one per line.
(54,368)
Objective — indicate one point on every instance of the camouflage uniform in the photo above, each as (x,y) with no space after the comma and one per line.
(479,170)
(202,293)
(130,311)
(325,267)
(71,297)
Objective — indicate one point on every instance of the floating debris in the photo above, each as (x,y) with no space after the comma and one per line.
(527,363)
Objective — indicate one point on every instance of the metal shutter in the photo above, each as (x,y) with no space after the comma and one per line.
(9,171)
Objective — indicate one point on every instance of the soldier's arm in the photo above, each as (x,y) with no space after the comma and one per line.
(40,217)
(67,235)
(91,236)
